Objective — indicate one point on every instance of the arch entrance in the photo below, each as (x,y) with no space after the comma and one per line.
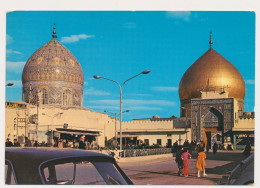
(212,127)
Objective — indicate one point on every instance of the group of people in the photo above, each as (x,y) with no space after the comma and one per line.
(9,143)
(183,160)
(81,144)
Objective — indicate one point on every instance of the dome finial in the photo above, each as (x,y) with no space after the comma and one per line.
(54,32)
(210,39)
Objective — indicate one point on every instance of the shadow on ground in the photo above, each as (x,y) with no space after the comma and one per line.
(226,156)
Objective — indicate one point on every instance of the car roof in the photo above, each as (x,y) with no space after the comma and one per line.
(47,153)
(26,161)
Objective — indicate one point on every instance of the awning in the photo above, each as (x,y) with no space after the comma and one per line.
(77,132)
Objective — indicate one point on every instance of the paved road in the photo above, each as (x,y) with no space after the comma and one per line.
(163,170)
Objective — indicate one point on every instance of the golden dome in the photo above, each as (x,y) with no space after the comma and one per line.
(53,62)
(211,70)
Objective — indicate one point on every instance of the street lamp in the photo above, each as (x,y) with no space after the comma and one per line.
(115,123)
(121,86)
(52,117)
(186,126)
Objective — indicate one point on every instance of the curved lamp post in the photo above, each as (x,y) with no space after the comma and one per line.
(121,86)
(114,113)
(52,117)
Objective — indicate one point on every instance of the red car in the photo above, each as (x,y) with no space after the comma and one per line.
(61,166)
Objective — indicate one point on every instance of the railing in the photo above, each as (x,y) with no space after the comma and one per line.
(143,152)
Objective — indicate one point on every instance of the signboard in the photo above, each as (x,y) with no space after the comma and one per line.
(16,105)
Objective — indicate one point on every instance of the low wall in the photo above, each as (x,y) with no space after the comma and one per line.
(144,152)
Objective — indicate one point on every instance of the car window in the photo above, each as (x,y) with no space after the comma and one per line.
(82,173)
(9,174)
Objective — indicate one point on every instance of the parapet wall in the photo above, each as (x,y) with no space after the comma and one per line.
(148,124)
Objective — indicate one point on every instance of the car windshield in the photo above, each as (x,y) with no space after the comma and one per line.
(82,173)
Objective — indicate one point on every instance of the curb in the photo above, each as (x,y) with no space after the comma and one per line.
(144,158)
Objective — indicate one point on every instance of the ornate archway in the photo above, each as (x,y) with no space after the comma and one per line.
(212,125)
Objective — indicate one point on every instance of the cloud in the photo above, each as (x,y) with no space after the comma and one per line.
(17,83)
(131,102)
(140,94)
(145,108)
(162,88)
(250,82)
(10,51)
(179,15)
(130,25)
(9,39)
(75,38)
(15,66)
(104,107)
(93,91)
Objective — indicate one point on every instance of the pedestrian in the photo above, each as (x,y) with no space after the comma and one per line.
(175,146)
(207,148)
(200,164)
(60,143)
(35,144)
(82,144)
(116,155)
(179,161)
(16,144)
(186,156)
(247,149)
(27,142)
(8,143)
(75,143)
(215,148)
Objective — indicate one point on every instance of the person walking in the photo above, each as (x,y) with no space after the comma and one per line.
(186,156)
(200,164)
(215,148)
(247,148)
(179,161)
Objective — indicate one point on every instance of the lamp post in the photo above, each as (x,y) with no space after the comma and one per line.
(186,122)
(115,123)
(121,86)
(52,117)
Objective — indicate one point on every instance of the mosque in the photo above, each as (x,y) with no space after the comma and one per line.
(211,93)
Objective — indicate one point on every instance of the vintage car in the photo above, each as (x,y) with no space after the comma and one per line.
(61,166)
(242,174)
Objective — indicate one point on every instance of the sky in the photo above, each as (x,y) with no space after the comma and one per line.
(120,44)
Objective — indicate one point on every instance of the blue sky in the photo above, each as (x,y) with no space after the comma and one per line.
(121,44)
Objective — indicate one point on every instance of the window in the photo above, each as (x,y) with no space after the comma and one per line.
(159,142)
(66,97)
(146,141)
(82,173)
(44,96)
(9,174)
(169,134)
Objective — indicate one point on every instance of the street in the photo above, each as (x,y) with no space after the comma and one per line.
(162,170)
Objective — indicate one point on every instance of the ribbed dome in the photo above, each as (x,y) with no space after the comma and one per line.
(53,62)
(53,76)
(211,70)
